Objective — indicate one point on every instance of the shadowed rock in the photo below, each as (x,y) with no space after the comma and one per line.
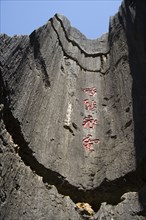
(73,120)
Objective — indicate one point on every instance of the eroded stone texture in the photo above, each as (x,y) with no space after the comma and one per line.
(23,193)
(129,208)
(45,82)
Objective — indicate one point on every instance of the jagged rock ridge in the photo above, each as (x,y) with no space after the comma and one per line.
(73,121)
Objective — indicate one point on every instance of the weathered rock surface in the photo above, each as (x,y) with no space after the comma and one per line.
(73,121)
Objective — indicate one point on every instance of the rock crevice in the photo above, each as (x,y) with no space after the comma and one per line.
(72,121)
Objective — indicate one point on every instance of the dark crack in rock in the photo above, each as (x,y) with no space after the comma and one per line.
(73,121)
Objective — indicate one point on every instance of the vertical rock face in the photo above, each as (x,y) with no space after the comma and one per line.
(72,121)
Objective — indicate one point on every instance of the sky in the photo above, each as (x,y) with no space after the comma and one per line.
(91,17)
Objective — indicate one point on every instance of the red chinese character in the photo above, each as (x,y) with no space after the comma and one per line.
(88,142)
(89,105)
(89,122)
(90,91)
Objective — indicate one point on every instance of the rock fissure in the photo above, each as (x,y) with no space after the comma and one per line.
(94,197)
(39,60)
(110,192)
(74,43)
(61,92)
(75,59)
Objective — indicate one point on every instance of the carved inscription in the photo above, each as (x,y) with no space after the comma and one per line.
(90,91)
(89,122)
(89,105)
(89,141)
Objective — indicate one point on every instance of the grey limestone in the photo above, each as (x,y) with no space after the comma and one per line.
(73,121)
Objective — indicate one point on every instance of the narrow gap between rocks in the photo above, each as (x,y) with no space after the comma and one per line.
(109,192)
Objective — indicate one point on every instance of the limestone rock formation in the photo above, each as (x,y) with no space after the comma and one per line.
(73,121)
